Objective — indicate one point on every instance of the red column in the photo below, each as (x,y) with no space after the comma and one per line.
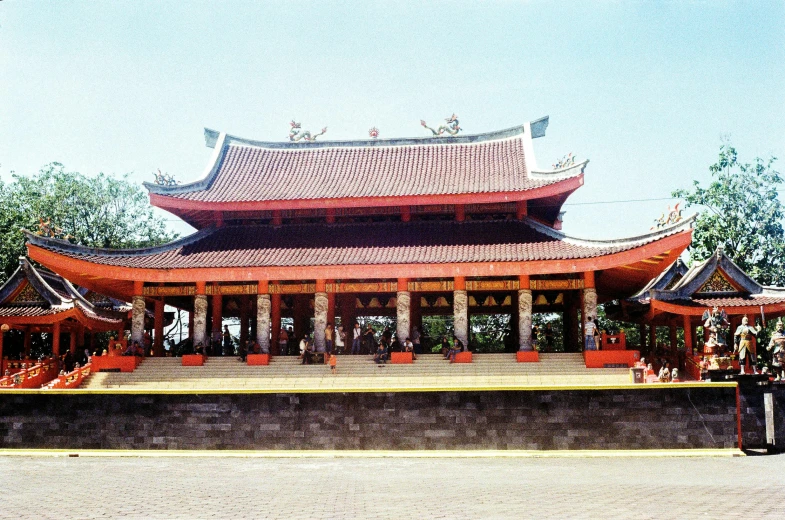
(522,209)
(72,338)
(688,344)
(158,332)
(275,321)
(217,318)
(348,308)
(56,338)
(460,216)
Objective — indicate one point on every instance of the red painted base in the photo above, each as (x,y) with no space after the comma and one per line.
(602,358)
(258,359)
(528,356)
(124,363)
(463,357)
(401,358)
(193,360)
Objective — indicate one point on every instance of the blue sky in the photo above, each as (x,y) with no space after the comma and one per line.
(645,90)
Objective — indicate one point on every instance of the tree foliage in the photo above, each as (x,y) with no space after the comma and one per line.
(100,211)
(742,213)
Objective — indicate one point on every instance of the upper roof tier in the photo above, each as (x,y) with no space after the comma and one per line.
(250,176)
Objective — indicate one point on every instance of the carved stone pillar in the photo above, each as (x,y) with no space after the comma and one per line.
(137,319)
(460,305)
(200,319)
(320,305)
(403,312)
(263,307)
(525,319)
(589,304)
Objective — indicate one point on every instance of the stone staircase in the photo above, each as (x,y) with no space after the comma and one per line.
(359,372)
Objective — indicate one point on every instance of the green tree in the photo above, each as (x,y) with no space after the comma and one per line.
(743,214)
(100,211)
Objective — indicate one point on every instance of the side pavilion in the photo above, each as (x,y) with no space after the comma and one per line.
(410,227)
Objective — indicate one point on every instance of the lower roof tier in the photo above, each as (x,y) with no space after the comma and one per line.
(429,249)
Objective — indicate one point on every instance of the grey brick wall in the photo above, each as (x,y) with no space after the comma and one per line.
(753,415)
(541,420)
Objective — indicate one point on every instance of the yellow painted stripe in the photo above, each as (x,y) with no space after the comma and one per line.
(355,390)
(308,454)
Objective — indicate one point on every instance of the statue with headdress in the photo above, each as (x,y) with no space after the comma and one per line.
(777,349)
(716,322)
(743,343)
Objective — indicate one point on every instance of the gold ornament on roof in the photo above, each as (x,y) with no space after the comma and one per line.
(47,229)
(670,217)
(451,128)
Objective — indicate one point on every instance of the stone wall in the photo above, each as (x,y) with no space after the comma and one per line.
(753,415)
(538,420)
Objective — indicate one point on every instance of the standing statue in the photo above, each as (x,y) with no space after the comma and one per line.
(295,134)
(452,127)
(777,349)
(743,343)
(716,322)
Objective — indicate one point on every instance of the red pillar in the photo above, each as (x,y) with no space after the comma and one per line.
(72,339)
(688,344)
(217,319)
(158,332)
(56,338)
(275,321)
(348,303)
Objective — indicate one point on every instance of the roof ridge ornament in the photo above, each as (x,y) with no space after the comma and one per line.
(669,217)
(451,128)
(296,135)
(373,133)
(164,179)
(565,162)
(47,229)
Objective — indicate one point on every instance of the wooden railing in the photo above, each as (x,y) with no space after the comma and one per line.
(72,379)
(33,376)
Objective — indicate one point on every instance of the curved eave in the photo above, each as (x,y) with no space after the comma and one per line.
(659,306)
(118,281)
(186,209)
(74,313)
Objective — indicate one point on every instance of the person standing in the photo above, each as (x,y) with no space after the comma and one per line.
(589,332)
(416,340)
(328,337)
(228,348)
(340,338)
(283,342)
(356,338)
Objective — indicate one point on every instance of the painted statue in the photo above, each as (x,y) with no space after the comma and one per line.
(451,128)
(743,343)
(295,134)
(716,322)
(777,349)
(164,179)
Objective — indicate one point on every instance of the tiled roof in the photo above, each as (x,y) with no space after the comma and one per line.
(57,293)
(25,311)
(417,242)
(739,301)
(246,171)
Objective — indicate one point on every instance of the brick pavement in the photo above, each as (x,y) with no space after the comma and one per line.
(375,488)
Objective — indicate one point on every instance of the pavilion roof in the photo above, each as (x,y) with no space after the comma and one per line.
(37,293)
(379,243)
(717,281)
(246,175)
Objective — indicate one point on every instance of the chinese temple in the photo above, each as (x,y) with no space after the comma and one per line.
(334,230)
(34,300)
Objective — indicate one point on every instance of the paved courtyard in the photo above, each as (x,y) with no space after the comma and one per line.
(65,488)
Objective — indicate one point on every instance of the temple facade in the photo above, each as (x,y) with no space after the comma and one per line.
(322,231)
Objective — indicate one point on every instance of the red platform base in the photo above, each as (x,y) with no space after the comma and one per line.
(463,357)
(258,359)
(528,356)
(401,358)
(609,358)
(123,363)
(193,360)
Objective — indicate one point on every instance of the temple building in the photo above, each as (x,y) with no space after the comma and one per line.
(326,230)
(37,301)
